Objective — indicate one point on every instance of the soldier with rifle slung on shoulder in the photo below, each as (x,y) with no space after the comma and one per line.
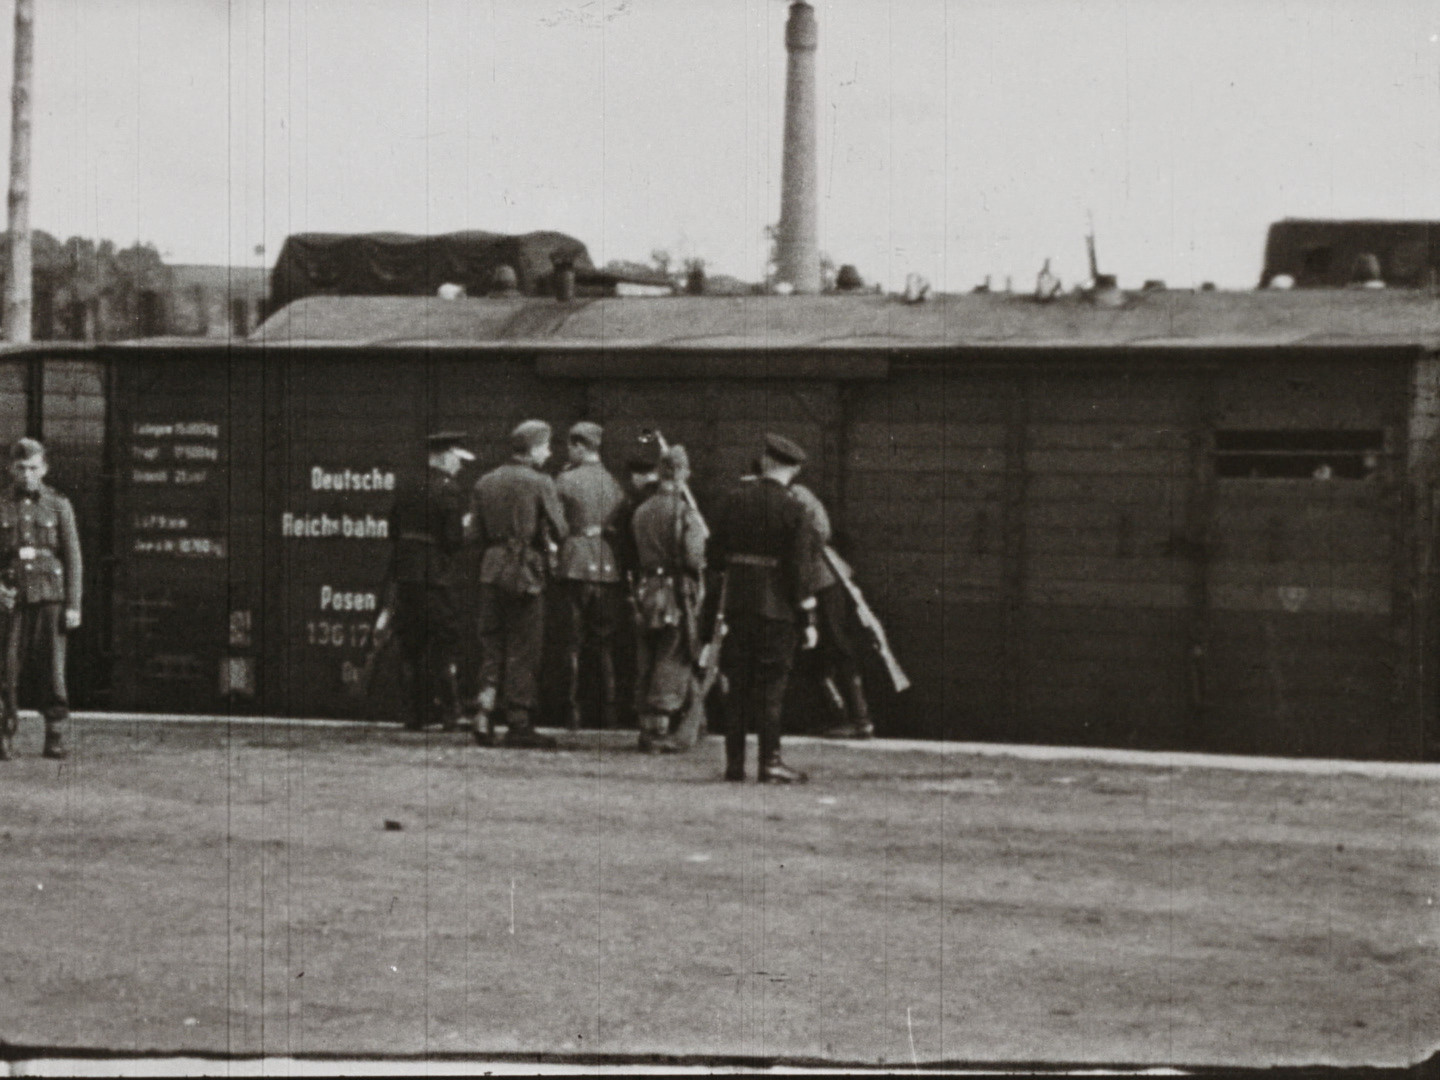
(670,546)
(835,654)
(40,576)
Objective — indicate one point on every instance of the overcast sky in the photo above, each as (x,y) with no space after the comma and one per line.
(957,139)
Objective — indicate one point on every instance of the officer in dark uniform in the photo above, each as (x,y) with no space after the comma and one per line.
(766,548)
(40,576)
(427,528)
(516,517)
(588,565)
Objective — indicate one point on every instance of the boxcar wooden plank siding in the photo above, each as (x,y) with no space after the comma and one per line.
(1051,536)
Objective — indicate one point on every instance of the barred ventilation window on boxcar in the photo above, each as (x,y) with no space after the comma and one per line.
(1299,454)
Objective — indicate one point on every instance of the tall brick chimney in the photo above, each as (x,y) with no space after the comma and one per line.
(798,254)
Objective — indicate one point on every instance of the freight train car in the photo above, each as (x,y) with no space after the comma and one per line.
(1193,520)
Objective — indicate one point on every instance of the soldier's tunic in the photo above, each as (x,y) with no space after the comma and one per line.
(836,646)
(427,529)
(590,569)
(513,506)
(670,551)
(766,546)
(40,559)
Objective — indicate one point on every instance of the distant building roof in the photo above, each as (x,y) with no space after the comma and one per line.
(1153,319)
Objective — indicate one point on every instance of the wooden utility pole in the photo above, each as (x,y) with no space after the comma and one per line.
(18,301)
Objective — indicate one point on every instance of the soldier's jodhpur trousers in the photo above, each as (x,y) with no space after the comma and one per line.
(756,660)
(427,621)
(596,610)
(512,635)
(34,638)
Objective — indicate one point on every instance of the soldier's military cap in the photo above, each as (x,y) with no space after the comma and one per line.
(449,440)
(784,451)
(644,456)
(587,432)
(25,449)
(528,435)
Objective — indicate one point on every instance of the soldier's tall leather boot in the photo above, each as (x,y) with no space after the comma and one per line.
(7,736)
(858,726)
(450,708)
(772,769)
(521,733)
(54,741)
(654,727)
(479,712)
(775,771)
(573,718)
(607,688)
(735,755)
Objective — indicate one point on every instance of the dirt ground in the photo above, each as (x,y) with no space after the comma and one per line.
(236,889)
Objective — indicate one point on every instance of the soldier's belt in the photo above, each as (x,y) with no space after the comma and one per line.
(591,531)
(770,562)
(29,553)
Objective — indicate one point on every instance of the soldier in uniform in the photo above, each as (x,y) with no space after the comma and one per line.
(766,547)
(427,527)
(588,566)
(516,515)
(835,653)
(40,576)
(670,545)
(643,478)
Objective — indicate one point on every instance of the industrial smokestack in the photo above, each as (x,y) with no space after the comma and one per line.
(798,254)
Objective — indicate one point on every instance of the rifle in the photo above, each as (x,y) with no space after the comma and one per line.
(868,619)
(380,635)
(704,677)
(685,491)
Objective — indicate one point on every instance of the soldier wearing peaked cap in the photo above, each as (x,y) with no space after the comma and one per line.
(40,578)
(767,550)
(589,567)
(516,514)
(427,527)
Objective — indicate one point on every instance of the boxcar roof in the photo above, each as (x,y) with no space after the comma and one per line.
(1158,319)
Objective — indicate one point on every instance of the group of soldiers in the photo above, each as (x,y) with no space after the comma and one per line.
(731,601)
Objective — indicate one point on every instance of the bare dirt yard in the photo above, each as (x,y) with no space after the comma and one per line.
(236,889)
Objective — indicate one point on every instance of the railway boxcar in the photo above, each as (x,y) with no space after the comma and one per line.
(1195,520)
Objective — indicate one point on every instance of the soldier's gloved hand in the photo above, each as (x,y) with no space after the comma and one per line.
(72,618)
(8,597)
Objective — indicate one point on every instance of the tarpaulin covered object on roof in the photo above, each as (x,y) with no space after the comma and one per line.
(399,264)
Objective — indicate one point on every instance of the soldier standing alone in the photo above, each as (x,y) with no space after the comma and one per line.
(428,527)
(588,565)
(670,547)
(40,577)
(766,547)
(515,515)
